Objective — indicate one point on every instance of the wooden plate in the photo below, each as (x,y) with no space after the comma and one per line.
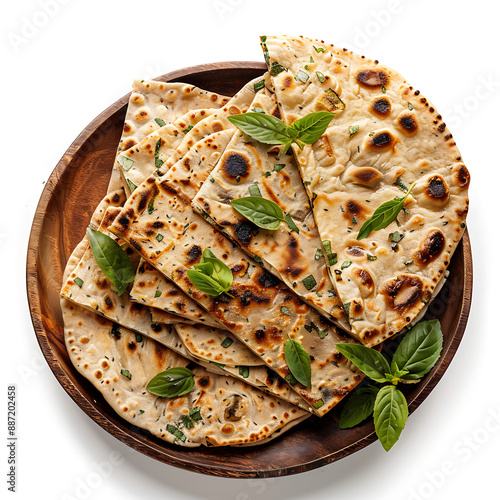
(74,189)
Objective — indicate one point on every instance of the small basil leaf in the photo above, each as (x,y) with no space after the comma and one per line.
(358,407)
(312,126)
(262,212)
(158,161)
(172,383)
(160,122)
(262,127)
(112,259)
(220,273)
(390,414)
(369,361)
(291,224)
(205,283)
(383,215)
(418,351)
(298,362)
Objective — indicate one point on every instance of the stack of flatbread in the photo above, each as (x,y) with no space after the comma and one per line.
(180,163)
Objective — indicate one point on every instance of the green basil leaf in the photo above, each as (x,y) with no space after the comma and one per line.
(158,162)
(369,361)
(112,259)
(383,215)
(195,414)
(188,423)
(298,362)
(254,190)
(419,350)
(312,126)
(309,282)
(259,85)
(262,212)
(211,276)
(79,281)
(226,342)
(171,383)
(221,273)
(205,283)
(358,407)
(262,127)
(244,371)
(291,224)
(131,185)
(126,373)
(390,414)
(276,68)
(318,49)
(160,122)
(176,432)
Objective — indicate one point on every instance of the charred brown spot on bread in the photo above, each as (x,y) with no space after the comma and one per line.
(260,335)
(102,284)
(356,307)
(160,354)
(382,140)
(287,81)
(366,175)
(437,189)
(352,209)
(365,277)
(235,165)
(355,251)
(127,127)
(131,346)
(217,126)
(235,409)
(135,307)
(403,292)
(382,106)
(247,297)
(108,303)
(408,123)
(372,78)
(268,280)
(462,176)
(367,334)
(204,382)
(157,224)
(129,144)
(442,127)
(193,254)
(430,248)
(324,143)
(244,232)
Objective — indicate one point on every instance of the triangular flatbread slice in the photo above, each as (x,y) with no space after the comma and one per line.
(385,136)
(293,253)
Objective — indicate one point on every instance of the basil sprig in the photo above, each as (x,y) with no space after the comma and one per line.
(383,215)
(298,361)
(172,382)
(263,213)
(268,129)
(211,276)
(112,259)
(415,356)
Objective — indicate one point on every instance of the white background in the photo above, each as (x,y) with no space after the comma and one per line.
(61,69)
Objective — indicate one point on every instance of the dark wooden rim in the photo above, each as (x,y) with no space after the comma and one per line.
(122,432)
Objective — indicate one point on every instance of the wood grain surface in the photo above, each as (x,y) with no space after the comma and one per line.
(74,189)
